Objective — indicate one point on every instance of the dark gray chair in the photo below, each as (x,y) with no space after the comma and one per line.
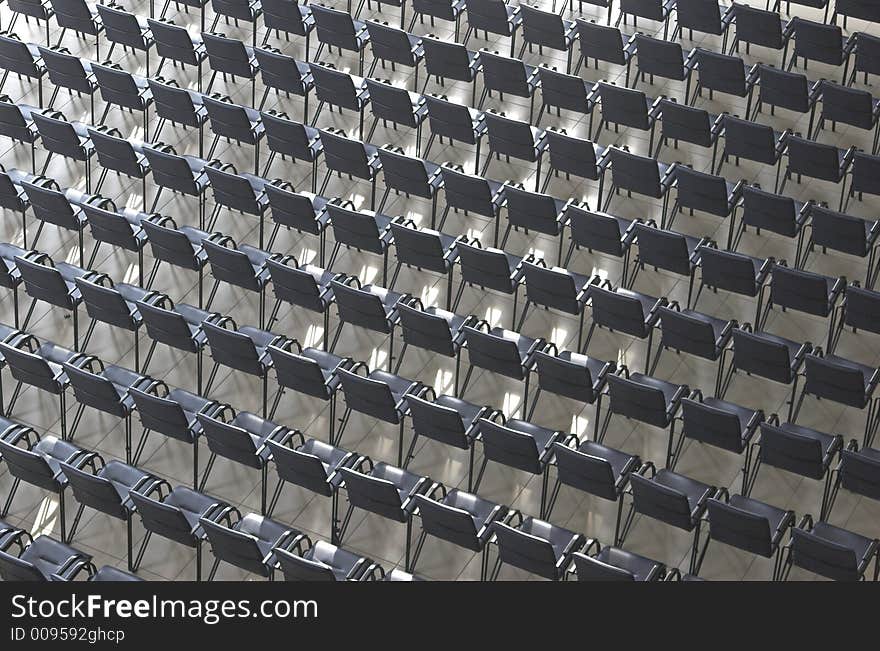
(249,543)
(535,546)
(832,552)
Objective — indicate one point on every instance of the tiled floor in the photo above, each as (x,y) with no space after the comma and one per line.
(376,537)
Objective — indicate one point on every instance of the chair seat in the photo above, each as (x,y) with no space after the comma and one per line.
(695,491)
(620,462)
(388,297)
(55,355)
(866,370)
(325,360)
(257,427)
(194,316)
(122,377)
(669,389)
(398,385)
(48,554)
(640,567)
(544,437)
(266,531)
(478,508)
(131,293)
(523,343)
(10,251)
(648,302)
(405,482)
(827,441)
(331,457)
(775,516)
(192,504)
(122,477)
(743,414)
(261,338)
(560,539)
(70,272)
(592,364)
(454,321)
(55,450)
(340,561)
(467,410)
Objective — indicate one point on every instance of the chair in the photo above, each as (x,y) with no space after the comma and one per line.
(547,29)
(305,286)
(704,17)
(682,123)
(857,472)
(721,424)
(662,58)
(44,559)
(761,27)
(819,42)
(339,29)
(565,91)
(765,355)
(802,291)
(79,17)
(752,141)
(126,29)
(534,211)
(340,90)
(722,73)
(867,59)
(344,155)
(856,311)
(448,10)
(604,43)
(39,464)
(378,394)
(244,10)
(831,552)
(627,107)
(240,437)
(448,420)
(239,192)
(667,250)
(116,154)
(313,465)
(284,74)
(230,57)
(290,17)
(18,58)
(172,413)
(750,525)
(598,470)
(842,381)
(501,351)
(369,306)
(471,193)
(235,123)
(432,329)
(735,272)
(286,137)
(845,233)
(616,564)
(849,106)
(863,179)
(535,546)
(386,491)
(242,266)
(179,246)
(570,155)
(640,175)
(766,211)
(241,348)
(458,123)
(183,107)
(177,516)
(558,289)
(426,250)
(493,16)
(445,60)
(688,331)
(303,560)
(520,445)
(174,42)
(816,161)
(67,139)
(106,489)
(464,519)
(411,176)
(489,269)
(248,544)
(625,311)
(395,46)
(676,500)
(800,450)
(600,232)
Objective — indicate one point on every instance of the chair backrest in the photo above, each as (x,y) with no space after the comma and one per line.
(699,15)
(368,396)
(388,102)
(427,331)
(510,447)
(96,492)
(335,27)
(836,380)
(66,71)
(713,425)
(280,71)
(228,55)
(768,211)
(851,106)
(334,87)
(485,267)
(466,192)
(59,137)
(759,355)
(823,556)
(231,266)
(111,227)
(30,467)
(665,250)
(625,106)
(231,441)
(450,119)
(437,422)
(740,528)
(505,74)
(171,171)
(650,9)
(601,42)
(235,547)
(789,90)
(686,123)
(95,390)
(758,26)
(543,28)
(493,352)
(589,568)
(661,502)
(346,155)
(51,205)
(448,523)
(13,568)
(418,247)
(235,191)
(233,349)
(13,124)
(619,310)
(594,230)
(29,368)
(390,44)
(686,332)
(174,104)
(299,373)
(818,41)
(660,57)
(45,283)
(509,137)
(373,494)
(163,519)
(301,468)
(489,15)
(733,272)
(839,231)
(173,42)
(865,174)
(572,155)
(405,174)
(122,27)
(32,8)
(638,401)
(295,286)
(860,473)
(800,290)
(749,140)
(634,173)
(297,568)
(563,91)
(722,73)
(868,54)
(171,245)
(568,376)
(360,307)
(16,57)
(586,472)
(163,415)
(526,551)
(858,9)
(862,309)
(532,210)
(230,121)
(167,327)
(75,15)
(291,209)
(447,60)
(791,450)
(553,288)
(116,154)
